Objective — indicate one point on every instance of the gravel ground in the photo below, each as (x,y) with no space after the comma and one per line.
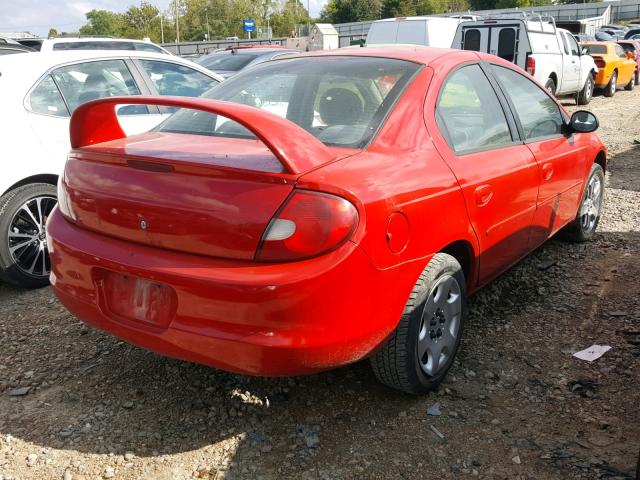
(78,404)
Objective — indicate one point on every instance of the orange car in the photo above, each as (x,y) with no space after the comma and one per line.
(616,67)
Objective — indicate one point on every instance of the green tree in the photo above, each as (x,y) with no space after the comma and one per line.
(52,33)
(341,11)
(103,22)
(142,21)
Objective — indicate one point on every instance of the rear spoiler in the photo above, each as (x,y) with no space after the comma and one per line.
(297,150)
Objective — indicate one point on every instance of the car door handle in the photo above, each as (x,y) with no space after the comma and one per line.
(483,195)
(547,171)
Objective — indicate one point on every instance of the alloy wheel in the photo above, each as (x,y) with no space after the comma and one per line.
(614,83)
(27,236)
(591,204)
(440,325)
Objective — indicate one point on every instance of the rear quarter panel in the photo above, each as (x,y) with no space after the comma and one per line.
(401,172)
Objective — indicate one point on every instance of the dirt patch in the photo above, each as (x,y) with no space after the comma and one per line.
(78,404)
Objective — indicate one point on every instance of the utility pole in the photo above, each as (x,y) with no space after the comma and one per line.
(177,27)
(206,13)
(161,29)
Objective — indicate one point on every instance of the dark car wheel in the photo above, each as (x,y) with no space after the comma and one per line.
(421,349)
(550,86)
(24,259)
(612,86)
(586,222)
(636,77)
(585,95)
(632,83)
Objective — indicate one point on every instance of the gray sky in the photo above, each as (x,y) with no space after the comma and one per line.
(37,16)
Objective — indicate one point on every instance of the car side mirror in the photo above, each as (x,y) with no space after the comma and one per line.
(584,51)
(583,122)
(630,55)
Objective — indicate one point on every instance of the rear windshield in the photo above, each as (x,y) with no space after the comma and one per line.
(628,47)
(340,100)
(231,62)
(598,49)
(94,46)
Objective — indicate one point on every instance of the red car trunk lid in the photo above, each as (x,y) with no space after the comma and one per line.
(178,192)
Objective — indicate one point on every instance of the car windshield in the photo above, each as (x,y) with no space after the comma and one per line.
(628,47)
(340,100)
(231,62)
(598,49)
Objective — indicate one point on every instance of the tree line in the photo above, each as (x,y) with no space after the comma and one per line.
(197,19)
(343,11)
(214,19)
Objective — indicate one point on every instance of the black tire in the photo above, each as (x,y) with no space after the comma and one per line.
(551,86)
(612,86)
(396,364)
(632,83)
(636,79)
(577,230)
(10,205)
(585,95)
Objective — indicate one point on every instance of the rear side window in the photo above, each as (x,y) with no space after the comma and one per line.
(472,40)
(620,52)
(469,113)
(46,99)
(87,81)
(539,115)
(173,79)
(507,44)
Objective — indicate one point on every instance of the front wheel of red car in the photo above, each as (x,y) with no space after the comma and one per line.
(421,349)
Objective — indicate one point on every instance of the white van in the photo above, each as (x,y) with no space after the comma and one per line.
(551,55)
(430,31)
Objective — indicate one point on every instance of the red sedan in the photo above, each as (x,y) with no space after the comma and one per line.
(317,210)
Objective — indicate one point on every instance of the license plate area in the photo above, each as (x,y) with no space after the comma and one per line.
(136,299)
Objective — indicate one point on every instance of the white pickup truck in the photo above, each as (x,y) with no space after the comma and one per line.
(551,55)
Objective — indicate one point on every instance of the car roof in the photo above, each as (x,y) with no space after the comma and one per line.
(412,53)
(93,39)
(35,64)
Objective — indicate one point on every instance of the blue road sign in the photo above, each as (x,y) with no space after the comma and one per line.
(249,25)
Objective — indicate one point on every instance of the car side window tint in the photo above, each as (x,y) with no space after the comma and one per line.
(469,112)
(573,45)
(46,99)
(83,82)
(620,52)
(471,40)
(564,43)
(539,115)
(507,44)
(179,80)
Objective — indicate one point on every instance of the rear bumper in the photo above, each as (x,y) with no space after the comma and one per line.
(602,78)
(261,319)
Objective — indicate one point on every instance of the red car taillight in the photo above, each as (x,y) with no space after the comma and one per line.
(63,200)
(599,62)
(531,66)
(309,224)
